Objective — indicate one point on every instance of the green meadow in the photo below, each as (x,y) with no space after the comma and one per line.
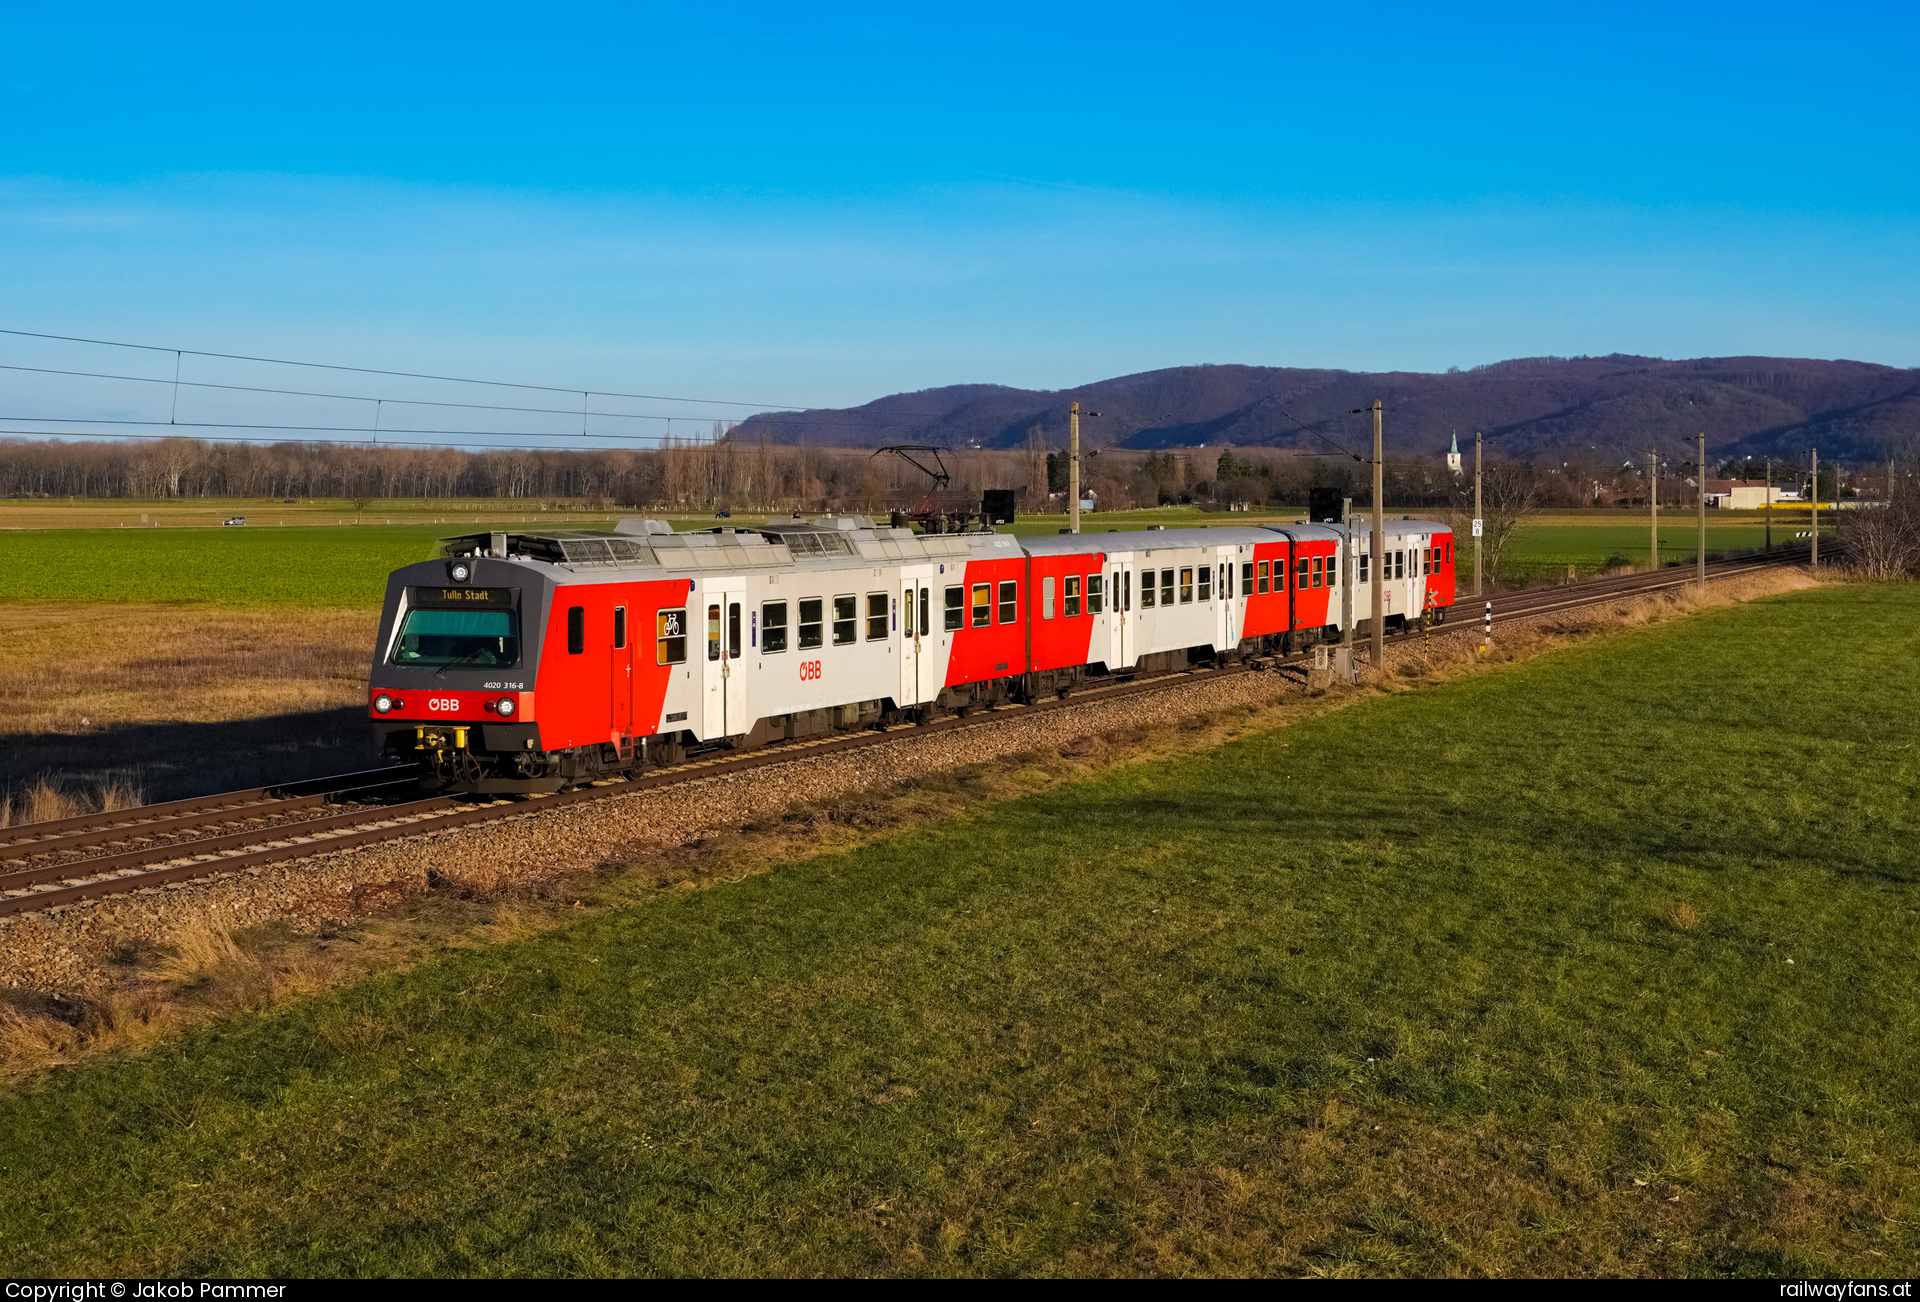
(1599,963)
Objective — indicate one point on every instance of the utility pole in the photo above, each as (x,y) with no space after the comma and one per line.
(1816,508)
(1769,502)
(1700,568)
(1479,525)
(1378,545)
(1073,469)
(1653,504)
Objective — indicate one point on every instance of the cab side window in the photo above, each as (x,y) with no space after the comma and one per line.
(576,630)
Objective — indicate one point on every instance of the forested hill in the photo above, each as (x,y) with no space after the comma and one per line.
(1529,407)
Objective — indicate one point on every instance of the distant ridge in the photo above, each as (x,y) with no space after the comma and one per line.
(1529,407)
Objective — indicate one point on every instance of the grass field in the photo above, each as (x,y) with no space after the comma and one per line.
(1602,963)
(319,566)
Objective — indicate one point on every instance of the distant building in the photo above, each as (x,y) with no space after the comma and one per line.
(1746,494)
(1453,455)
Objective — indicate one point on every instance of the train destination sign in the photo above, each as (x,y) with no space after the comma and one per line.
(460,597)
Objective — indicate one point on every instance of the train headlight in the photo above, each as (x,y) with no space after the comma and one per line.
(460,571)
(383,704)
(504,707)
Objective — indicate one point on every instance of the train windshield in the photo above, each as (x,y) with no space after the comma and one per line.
(435,639)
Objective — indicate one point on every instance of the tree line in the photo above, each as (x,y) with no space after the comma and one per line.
(727,472)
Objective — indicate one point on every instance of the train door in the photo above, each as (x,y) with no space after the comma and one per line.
(621,687)
(1225,636)
(724,607)
(918,659)
(1122,623)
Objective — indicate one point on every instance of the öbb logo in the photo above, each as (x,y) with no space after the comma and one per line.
(809,670)
(444,704)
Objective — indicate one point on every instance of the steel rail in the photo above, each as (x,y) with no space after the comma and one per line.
(29,833)
(122,873)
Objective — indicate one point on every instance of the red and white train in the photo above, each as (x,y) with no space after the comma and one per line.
(531,661)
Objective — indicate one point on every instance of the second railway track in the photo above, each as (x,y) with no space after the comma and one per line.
(47,865)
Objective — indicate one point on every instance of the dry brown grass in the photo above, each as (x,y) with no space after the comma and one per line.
(1681,916)
(72,669)
(201,971)
(107,706)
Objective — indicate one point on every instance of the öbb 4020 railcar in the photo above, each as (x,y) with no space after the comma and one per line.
(524,662)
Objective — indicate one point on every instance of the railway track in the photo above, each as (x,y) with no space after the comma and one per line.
(47,865)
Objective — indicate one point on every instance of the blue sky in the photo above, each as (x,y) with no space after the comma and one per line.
(821,204)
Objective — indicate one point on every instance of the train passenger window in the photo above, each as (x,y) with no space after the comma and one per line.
(925,610)
(619,627)
(1265,580)
(846,618)
(1426,556)
(812,624)
(1009,601)
(733,630)
(773,628)
(1096,596)
(1186,585)
(670,637)
(713,632)
(1046,598)
(1146,590)
(877,607)
(1300,574)
(1206,583)
(1246,579)
(576,630)
(1317,566)
(1166,587)
(1364,558)
(1070,596)
(956,609)
(1400,565)
(982,604)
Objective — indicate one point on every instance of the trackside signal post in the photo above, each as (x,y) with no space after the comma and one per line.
(1700,569)
(1653,508)
(1378,546)
(1477,526)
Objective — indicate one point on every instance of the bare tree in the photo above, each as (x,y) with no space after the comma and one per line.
(1509,497)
